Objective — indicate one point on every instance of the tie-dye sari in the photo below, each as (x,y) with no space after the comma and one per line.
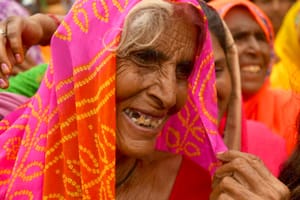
(61,145)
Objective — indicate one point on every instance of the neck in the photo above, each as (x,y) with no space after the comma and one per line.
(125,167)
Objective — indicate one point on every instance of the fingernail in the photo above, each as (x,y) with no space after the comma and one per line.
(18,57)
(5,68)
(220,153)
(2,83)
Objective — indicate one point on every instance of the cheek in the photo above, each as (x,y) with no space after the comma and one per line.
(266,50)
(181,96)
(224,87)
(127,81)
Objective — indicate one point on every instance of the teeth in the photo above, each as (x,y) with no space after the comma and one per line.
(143,120)
(251,68)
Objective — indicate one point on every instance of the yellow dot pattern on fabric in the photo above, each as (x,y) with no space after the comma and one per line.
(201,94)
(180,142)
(67,36)
(12,147)
(83,25)
(203,63)
(22,194)
(104,18)
(119,6)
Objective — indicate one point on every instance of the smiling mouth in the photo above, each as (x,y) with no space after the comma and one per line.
(143,120)
(251,68)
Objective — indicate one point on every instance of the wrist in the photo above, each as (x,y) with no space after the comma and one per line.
(55,19)
(48,24)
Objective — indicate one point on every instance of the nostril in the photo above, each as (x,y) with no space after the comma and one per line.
(157,101)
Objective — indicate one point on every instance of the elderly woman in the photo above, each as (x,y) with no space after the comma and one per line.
(254,39)
(139,65)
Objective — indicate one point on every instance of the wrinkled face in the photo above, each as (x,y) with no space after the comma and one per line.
(253,49)
(152,85)
(223,79)
(275,9)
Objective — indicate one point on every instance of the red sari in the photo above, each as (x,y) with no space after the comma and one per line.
(192,182)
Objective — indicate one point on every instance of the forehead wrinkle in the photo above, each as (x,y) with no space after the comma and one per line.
(176,42)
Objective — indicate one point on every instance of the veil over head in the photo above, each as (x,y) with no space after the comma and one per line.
(62,143)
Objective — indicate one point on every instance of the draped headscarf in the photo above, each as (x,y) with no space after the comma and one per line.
(62,144)
(285,72)
(224,6)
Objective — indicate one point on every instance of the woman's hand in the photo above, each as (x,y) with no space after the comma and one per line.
(244,177)
(17,35)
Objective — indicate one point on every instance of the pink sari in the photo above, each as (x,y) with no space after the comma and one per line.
(62,144)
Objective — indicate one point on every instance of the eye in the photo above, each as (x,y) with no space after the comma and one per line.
(218,70)
(239,36)
(146,57)
(261,37)
(184,69)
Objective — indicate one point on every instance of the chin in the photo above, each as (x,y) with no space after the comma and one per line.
(136,149)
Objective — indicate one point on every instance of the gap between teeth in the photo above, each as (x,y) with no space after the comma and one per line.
(143,120)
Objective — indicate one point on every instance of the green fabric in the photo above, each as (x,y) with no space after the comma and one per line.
(28,82)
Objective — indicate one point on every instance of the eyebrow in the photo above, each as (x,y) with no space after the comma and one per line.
(160,55)
(221,60)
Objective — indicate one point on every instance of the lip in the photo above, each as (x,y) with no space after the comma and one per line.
(153,113)
(148,133)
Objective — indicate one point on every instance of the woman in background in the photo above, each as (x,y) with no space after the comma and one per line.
(254,39)
(255,137)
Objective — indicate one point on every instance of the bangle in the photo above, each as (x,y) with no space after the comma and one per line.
(55,19)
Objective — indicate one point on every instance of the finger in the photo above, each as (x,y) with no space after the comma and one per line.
(232,154)
(14,26)
(254,161)
(225,196)
(229,188)
(279,188)
(251,172)
(4,67)
(241,170)
(24,66)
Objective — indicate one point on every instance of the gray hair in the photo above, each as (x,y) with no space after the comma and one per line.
(143,25)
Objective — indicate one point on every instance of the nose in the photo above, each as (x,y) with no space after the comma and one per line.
(164,91)
(253,45)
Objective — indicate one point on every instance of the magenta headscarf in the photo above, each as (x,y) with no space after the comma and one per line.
(62,145)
